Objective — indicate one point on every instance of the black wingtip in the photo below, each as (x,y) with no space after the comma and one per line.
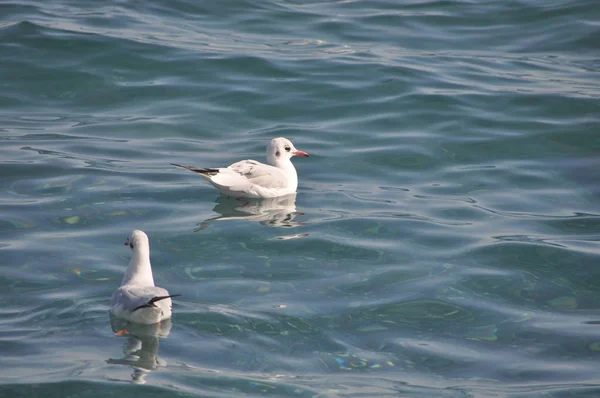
(200,170)
(153,300)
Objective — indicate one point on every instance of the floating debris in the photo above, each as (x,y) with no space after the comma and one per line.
(59,186)
(294,236)
(524,317)
(349,362)
(564,302)
(190,270)
(594,346)
(264,289)
(87,274)
(263,386)
(12,224)
(371,328)
(71,220)
(117,213)
(375,229)
(426,309)
(483,333)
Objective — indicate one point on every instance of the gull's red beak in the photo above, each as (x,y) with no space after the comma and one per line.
(300,153)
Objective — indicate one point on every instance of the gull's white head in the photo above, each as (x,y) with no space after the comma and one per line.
(137,240)
(281,150)
(139,270)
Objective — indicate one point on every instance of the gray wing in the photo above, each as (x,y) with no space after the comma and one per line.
(260,174)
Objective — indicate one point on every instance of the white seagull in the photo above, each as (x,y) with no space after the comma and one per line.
(252,179)
(138,300)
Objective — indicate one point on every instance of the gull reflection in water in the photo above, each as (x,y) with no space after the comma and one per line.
(140,350)
(272,212)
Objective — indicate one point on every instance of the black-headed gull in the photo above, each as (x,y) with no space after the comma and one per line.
(138,300)
(252,179)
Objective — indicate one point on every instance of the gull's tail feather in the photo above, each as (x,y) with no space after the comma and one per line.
(206,172)
(153,300)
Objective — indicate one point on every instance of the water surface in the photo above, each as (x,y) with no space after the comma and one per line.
(444,240)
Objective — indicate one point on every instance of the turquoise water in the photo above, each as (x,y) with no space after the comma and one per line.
(444,241)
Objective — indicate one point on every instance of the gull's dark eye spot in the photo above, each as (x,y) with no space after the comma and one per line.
(287,148)
(277,154)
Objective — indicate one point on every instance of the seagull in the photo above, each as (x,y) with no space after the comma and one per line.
(138,300)
(252,179)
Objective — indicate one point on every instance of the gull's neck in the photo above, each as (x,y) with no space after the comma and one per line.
(287,167)
(281,162)
(289,170)
(139,271)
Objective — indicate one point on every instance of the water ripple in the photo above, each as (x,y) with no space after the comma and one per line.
(445,231)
